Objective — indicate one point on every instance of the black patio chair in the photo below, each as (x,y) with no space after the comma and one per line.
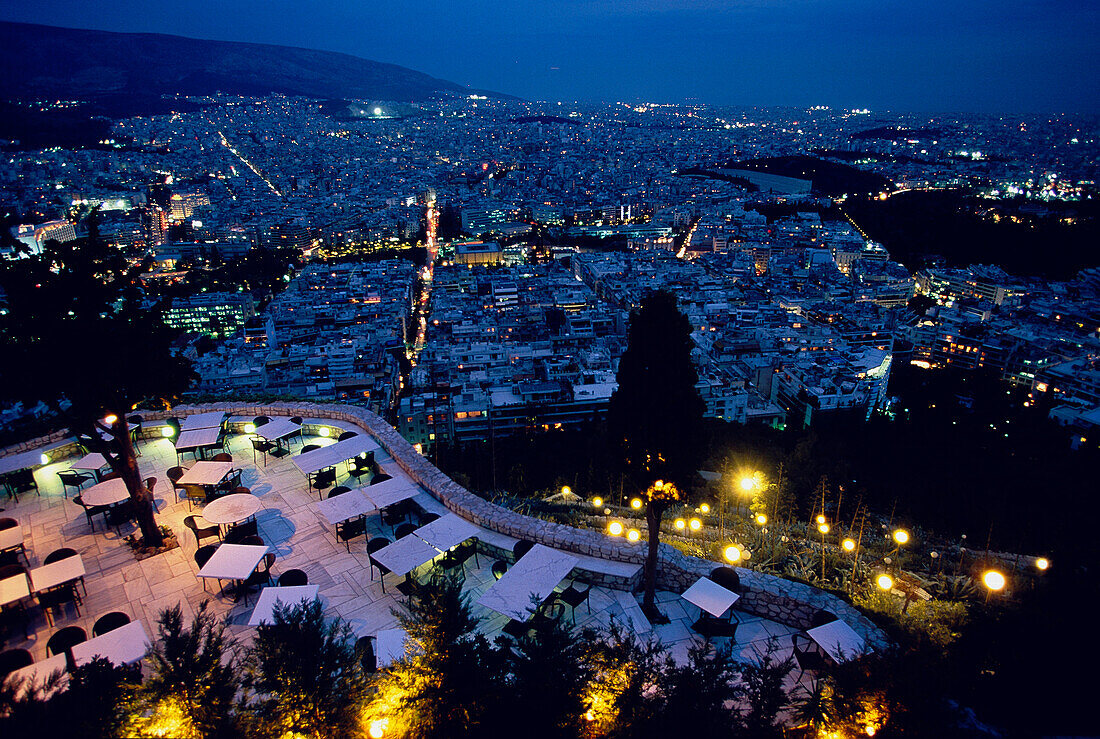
(12,554)
(56,597)
(260,576)
(63,640)
(74,479)
(380,477)
(201,532)
(202,556)
(499,569)
(573,596)
(260,421)
(241,531)
(260,445)
(364,647)
(21,481)
(64,553)
(347,435)
(338,490)
(404,530)
(373,546)
(806,655)
(521,548)
(120,513)
(350,529)
(110,622)
(293,577)
(309,448)
(323,479)
(821,617)
(727,577)
(138,432)
(361,466)
(91,510)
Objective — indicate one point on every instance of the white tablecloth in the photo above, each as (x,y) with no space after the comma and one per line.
(56,573)
(349,505)
(288,595)
(123,646)
(405,555)
(536,574)
(334,454)
(205,473)
(277,428)
(233,561)
(447,531)
(213,420)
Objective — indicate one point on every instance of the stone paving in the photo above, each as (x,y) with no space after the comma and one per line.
(302,539)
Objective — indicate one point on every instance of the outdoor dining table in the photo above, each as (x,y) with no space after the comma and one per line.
(343,507)
(710,596)
(108,492)
(35,675)
(535,575)
(123,646)
(288,595)
(11,538)
(389,492)
(839,640)
(14,588)
(56,573)
(198,440)
(205,473)
(277,430)
(211,419)
(93,461)
(20,461)
(447,531)
(389,645)
(233,561)
(231,509)
(405,555)
(333,454)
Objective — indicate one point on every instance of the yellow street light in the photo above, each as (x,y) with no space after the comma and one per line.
(1042,563)
(820,520)
(636,503)
(993,580)
(597,502)
(901,536)
(885,581)
(633,535)
(848,545)
(680,524)
(695,524)
(615,528)
(704,508)
(761,519)
(823,528)
(732,553)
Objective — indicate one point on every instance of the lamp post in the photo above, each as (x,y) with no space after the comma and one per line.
(823,527)
(994,582)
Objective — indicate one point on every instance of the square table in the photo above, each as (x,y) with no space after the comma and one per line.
(14,588)
(233,561)
(405,555)
(343,507)
(334,454)
(277,429)
(388,492)
(205,473)
(288,595)
(56,573)
(38,673)
(447,531)
(212,419)
(93,461)
(11,538)
(710,596)
(389,645)
(20,461)
(536,574)
(839,640)
(198,439)
(123,646)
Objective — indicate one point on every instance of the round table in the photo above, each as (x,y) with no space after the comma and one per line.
(108,492)
(231,509)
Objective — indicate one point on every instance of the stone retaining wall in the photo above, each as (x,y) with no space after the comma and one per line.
(765,595)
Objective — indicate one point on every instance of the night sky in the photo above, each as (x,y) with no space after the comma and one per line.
(904,55)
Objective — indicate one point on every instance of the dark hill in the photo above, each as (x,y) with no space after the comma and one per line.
(48,63)
(830,178)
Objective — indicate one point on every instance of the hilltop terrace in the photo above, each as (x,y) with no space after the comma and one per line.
(401,499)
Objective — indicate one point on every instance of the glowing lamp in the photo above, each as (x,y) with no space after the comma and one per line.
(761,519)
(110,419)
(820,520)
(747,483)
(1042,563)
(901,536)
(566,490)
(695,524)
(636,503)
(885,581)
(732,553)
(823,528)
(993,580)
(597,502)
(680,524)
(45,459)
(704,508)
(167,432)
(615,528)
(848,545)
(325,431)
(633,535)
(250,428)
(378,728)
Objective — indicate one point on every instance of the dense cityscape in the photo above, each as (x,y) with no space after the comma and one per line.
(889,325)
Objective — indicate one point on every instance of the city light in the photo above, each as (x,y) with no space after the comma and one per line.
(732,553)
(901,536)
(993,580)
(110,419)
(615,528)
(695,524)
(633,535)
(849,545)
(45,459)
(885,582)
(378,728)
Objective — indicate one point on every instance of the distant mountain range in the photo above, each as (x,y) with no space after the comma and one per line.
(48,63)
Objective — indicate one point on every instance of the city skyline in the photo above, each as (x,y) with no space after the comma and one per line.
(1016,57)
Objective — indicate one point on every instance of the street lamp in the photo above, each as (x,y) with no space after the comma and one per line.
(993,580)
